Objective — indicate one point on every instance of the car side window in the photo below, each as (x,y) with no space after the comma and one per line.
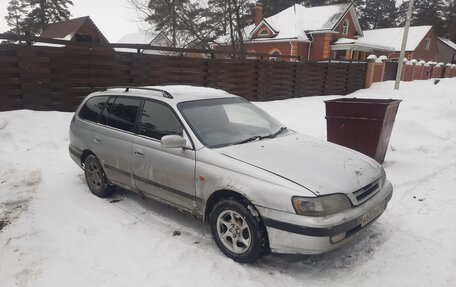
(123,112)
(105,112)
(92,108)
(157,121)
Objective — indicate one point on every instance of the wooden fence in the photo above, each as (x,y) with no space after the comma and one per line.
(58,78)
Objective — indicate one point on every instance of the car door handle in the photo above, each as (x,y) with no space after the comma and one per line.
(139,153)
(97,140)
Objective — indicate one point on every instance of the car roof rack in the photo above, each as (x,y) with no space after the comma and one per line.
(127,88)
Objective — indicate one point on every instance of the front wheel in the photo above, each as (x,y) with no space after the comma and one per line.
(236,231)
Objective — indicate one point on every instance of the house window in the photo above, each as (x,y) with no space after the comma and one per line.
(251,57)
(264,32)
(427,44)
(83,38)
(339,55)
(345,28)
(275,53)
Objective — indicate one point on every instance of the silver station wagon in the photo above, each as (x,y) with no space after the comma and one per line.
(261,186)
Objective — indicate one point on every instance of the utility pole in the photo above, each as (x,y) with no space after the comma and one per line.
(404,43)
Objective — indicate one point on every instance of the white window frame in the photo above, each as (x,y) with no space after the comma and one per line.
(427,44)
(345,27)
(275,52)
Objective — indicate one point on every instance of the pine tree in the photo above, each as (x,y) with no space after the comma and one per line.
(379,14)
(272,7)
(185,22)
(313,3)
(44,12)
(164,16)
(450,21)
(430,12)
(425,12)
(16,14)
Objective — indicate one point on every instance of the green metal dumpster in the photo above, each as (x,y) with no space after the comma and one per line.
(364,125)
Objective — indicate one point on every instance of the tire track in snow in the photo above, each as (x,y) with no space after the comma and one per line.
(416,184)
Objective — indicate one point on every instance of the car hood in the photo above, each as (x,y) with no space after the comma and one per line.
(322,167)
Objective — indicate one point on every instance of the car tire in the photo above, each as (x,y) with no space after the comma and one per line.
(238,231)
(96,178)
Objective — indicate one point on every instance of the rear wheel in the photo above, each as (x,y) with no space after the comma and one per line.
(96,177)
(236,231)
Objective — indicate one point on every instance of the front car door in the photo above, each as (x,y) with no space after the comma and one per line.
(164,173)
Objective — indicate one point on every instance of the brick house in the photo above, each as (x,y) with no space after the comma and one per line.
(421,42)
(447,51)
(312,33)
(81,29)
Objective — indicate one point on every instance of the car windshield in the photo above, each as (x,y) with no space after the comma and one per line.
(228,121)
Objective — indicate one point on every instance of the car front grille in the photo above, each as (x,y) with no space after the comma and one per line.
(365,193)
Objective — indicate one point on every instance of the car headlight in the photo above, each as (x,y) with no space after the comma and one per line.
(382,178)
(320,206)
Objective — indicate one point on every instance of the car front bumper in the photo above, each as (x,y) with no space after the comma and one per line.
(296,234)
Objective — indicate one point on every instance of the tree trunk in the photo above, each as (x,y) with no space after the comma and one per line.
(230,20)
(239,27)
(174,23)
(42,15)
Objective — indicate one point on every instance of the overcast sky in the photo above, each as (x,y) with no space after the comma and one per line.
(113,17)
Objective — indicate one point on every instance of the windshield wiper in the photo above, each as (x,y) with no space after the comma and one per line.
(250,139)
(281,130)
(255,138)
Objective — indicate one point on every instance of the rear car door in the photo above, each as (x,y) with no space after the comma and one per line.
(114,138)
(164,173)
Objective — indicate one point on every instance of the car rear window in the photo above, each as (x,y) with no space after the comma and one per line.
(92,108)
(123,112)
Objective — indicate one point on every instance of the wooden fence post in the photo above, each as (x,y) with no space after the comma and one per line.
(257,78)
(295,75)
(325,77)
(347,78)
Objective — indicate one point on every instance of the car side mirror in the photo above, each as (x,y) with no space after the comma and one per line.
(173,141)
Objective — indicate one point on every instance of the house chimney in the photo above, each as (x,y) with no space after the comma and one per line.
(258,13)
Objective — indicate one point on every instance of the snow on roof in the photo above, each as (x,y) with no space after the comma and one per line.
(393,37)
(296,20)
(138,38)
(154,39)
(450,43)
(180,93)
(345,42)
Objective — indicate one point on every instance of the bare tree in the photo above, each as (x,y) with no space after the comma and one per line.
(236,15)
(185,22)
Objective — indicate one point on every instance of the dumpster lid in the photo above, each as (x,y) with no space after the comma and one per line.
(363,101)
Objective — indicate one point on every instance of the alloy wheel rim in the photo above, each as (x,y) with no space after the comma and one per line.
(94,175)
(234,232)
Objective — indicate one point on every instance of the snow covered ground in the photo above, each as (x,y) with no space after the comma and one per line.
(55,233)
